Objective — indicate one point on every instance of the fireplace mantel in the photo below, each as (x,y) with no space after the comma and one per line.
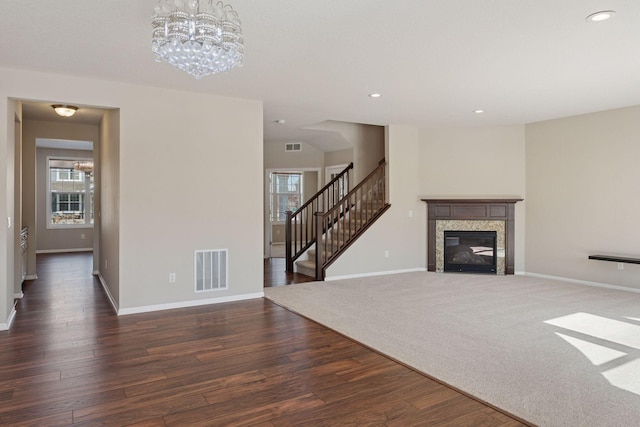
(502,209)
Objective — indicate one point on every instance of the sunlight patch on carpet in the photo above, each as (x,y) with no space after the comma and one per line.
(600,327)
(597,354)
(626,375)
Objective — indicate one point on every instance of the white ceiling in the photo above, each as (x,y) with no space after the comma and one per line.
(433,61)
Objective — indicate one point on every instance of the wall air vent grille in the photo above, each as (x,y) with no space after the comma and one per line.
(211,270)
(294,146)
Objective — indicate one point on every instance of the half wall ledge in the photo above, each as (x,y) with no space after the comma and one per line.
(614,258)
(469,209)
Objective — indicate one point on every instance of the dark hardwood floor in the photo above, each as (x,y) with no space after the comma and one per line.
(275,274)
(69,360)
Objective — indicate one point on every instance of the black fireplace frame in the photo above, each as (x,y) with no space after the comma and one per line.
(489,268)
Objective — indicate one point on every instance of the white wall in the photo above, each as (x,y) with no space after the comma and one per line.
(276,157)
(189,178)
(368,149)
(108,204)
(486,162)
(367,142)
(339,157)
(29,204)
(582,196)
(19,257)
(9,109)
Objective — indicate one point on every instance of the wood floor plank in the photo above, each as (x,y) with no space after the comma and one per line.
(6,395)
(383,415)
(57,420)
(245,414)
(70,360)
(51,405)
(118,413)
(196,383)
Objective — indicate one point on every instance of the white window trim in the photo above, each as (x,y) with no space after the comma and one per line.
(302,195)
(266,201)
(49,224)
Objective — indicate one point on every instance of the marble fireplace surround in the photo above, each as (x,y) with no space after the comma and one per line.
(471,215)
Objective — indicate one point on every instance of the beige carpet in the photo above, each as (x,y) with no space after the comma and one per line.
(552,353)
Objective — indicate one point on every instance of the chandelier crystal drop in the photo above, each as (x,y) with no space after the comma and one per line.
(197,36)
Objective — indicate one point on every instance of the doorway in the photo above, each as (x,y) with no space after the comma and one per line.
(285,189)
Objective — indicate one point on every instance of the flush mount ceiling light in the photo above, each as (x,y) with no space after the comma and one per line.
(478,111)
(374,95)
(603,15)
(197,36)
(65,110)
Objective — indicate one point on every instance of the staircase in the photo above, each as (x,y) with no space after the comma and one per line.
(323,234)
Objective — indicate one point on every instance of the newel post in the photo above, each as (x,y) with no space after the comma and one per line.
(287,243)
(319,232)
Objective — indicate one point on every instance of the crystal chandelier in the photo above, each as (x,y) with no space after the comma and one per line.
(200,39)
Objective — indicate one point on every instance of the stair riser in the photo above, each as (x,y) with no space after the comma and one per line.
(307,268)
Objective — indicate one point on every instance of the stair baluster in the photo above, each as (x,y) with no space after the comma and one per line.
(341,224)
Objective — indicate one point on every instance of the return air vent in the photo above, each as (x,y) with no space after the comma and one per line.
(211,270)
(294,146)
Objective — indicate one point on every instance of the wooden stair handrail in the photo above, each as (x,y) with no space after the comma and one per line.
(294,220)
(343,211)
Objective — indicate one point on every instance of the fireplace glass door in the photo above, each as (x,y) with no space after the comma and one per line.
(470,251)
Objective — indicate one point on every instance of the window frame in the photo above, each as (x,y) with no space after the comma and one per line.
(272,215)
(87,195)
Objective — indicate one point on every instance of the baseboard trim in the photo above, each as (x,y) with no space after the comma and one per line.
(7,325)
(377,273)
(61,251)
(113,302)
(187,304)
(31,277)
(583,282)
(19,295)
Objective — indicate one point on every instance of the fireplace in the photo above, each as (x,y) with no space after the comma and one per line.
(493,215)
(470,251)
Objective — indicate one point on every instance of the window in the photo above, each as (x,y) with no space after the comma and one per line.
(67,202)
(70,194)
(286,194)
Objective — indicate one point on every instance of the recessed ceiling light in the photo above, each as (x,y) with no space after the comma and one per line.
(478,111)
(374,95)
(603,15)
(281,121)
